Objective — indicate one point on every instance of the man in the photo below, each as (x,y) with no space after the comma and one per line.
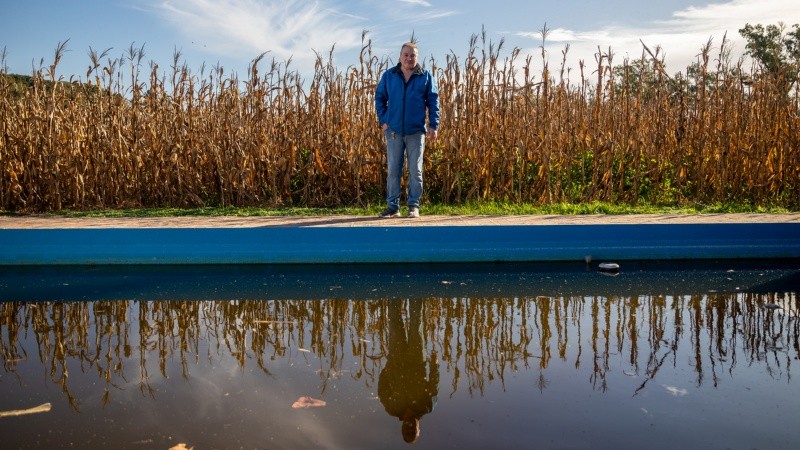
(405,95)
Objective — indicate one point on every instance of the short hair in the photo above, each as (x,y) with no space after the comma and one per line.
(410,44)
(410,429)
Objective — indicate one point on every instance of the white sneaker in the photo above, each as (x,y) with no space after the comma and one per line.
(413,212)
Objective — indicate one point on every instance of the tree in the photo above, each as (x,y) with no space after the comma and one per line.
(776,49)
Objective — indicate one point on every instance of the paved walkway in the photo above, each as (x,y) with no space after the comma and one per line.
(53,222)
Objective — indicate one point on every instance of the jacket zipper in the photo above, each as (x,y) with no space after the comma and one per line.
(405,88)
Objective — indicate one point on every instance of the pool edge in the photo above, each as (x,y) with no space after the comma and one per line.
(398,244)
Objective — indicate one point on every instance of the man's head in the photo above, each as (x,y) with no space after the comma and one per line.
(408,55)
(410,429)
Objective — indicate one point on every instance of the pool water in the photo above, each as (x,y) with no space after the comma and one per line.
(658,355)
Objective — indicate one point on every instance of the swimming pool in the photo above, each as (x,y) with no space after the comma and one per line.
(659,355)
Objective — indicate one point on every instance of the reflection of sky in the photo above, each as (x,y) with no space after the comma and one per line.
(614,372)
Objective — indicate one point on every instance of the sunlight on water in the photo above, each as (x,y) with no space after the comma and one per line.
(495,356)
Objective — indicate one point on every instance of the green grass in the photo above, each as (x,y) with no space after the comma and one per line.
(487,208)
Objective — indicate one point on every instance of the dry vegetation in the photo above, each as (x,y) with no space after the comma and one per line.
(629,133)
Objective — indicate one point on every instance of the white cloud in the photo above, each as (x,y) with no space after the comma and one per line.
(434,15)
(240,30)
(417,2)
(680,37)
(428,15)
(285,28)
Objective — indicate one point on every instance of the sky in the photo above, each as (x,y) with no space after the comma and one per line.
(231,33)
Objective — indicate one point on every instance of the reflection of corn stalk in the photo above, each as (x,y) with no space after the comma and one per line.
(476,340)
(329,375)
(653,371)
(541,382)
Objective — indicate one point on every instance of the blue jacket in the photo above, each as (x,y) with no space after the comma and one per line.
(402,105)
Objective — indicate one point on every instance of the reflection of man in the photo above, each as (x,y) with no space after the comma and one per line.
(405,389)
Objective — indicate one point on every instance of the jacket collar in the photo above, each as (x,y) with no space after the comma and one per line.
(399,69)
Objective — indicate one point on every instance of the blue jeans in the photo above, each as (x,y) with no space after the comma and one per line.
(397,147)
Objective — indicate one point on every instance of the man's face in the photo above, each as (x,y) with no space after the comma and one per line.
(408,58)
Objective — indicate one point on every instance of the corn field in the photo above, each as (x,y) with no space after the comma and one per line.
(131,137)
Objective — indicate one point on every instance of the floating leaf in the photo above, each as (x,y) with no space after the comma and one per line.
(181,446)
(677,392)
(22,412)
(308,402)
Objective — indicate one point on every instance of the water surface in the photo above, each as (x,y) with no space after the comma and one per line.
(690,355)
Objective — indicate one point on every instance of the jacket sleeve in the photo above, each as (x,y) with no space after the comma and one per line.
(432,102)
(381,100)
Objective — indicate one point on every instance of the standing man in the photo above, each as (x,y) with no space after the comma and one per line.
(405,96)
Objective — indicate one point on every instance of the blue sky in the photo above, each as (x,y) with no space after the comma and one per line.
(232,32)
